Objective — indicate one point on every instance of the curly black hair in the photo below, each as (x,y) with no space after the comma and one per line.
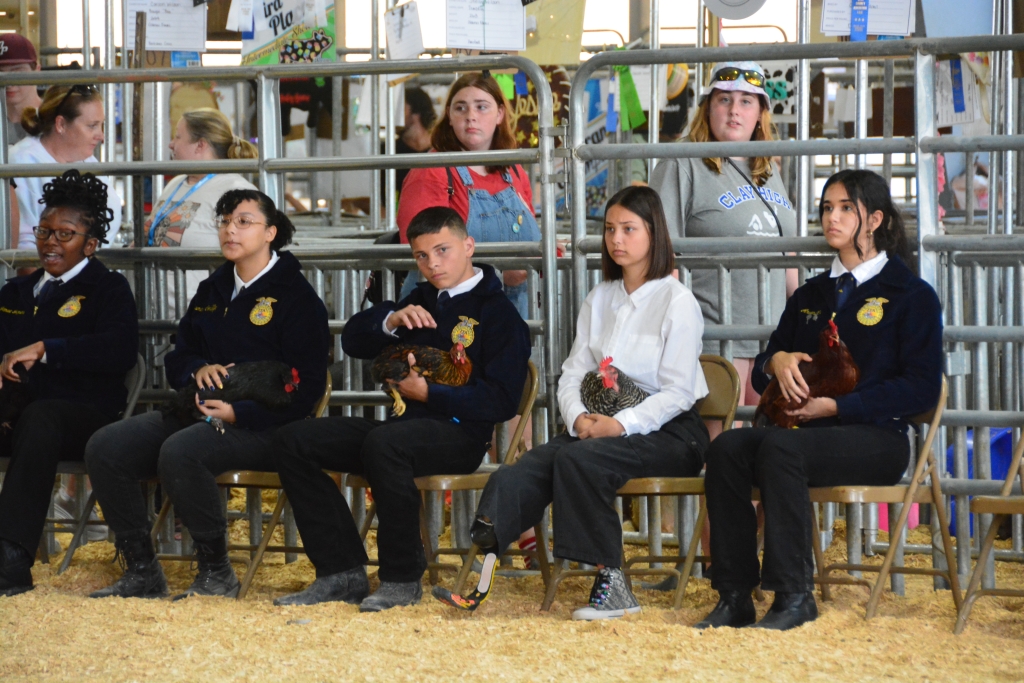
(87,194)
(230,200)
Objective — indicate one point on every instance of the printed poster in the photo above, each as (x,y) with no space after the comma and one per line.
(290,31)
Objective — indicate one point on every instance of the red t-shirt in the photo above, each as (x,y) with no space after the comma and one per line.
(427,187)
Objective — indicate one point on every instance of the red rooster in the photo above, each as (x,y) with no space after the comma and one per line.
(608,391)
(832,372)
(451,368)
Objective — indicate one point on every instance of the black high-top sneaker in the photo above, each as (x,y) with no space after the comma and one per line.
(482,534)
(143,576)
(611,597)
(15,569)
(215,575)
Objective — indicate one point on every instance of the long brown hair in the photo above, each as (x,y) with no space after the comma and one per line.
(443,138)
(59,100)
(645,203)
(700,131)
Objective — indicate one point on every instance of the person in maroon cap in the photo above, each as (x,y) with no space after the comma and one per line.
(17,54)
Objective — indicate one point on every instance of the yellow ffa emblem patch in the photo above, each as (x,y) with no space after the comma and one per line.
(871,312)
(71,307)
(262,312)
(463,332)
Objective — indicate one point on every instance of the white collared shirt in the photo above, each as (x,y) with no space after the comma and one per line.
(274,258)
(862,272)
(461,288)
(653,336)
(65,278)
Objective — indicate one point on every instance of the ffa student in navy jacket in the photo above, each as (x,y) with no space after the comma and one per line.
(71,328)
(444,430)
(891,322)
(256,307)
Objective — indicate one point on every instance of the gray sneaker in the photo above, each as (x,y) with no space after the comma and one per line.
(349,586)
(610,598)
(392,594)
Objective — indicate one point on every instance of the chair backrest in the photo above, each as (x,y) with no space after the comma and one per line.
(134,381)
(321,406)
(933,420)
(515,444)
(723,390)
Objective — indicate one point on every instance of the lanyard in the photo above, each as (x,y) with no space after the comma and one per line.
(170,205)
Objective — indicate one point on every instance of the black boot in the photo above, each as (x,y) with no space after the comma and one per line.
(735,609)
(143,577)
(790,610)
(15,568)
(215,575)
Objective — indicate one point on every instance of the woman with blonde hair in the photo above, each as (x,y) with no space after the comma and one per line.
(723,197)
(185,213)
(65,129)
(495,201)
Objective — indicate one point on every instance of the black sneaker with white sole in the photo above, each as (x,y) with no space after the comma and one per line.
(611,597)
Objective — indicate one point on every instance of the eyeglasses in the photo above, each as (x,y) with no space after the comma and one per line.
(752,77)
(242,222)
(81,89)
(42,234)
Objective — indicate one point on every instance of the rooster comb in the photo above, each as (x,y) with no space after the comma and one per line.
(605,364)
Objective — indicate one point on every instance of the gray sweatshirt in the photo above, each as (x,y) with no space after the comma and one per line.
(700,203)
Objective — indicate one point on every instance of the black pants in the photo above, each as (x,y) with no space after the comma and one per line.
(580,478)
(389,456)
(783,463)
(187,460)
(47,431)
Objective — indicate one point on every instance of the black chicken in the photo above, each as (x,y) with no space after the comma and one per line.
(607,391)
(14,398)
(270,383)
(452,368)
(831,372)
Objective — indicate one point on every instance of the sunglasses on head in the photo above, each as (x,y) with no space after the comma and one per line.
(80,89)
(752,77)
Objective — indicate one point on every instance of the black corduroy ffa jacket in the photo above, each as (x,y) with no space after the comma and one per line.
(500,351)
(90,329)
(892,325)
(280,317)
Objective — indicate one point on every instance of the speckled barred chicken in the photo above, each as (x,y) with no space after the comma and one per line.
(607,391)
(451,368)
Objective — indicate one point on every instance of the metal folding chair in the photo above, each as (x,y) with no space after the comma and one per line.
(1000,507)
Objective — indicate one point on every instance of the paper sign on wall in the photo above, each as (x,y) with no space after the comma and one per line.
(956,93)
(884,17)
(493,25)
(170,24)
(402,26)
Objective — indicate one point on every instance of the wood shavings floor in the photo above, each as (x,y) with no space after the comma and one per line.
(55,633)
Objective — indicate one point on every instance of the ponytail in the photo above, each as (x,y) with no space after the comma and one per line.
(242,149)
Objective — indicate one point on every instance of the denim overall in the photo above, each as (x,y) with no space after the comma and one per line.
(501,217)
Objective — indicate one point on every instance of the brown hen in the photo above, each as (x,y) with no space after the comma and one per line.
(832,372)
(451,368)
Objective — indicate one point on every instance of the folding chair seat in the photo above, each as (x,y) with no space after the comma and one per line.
(249,479)
(1000,506)
(443,483)
(923,487)
(720,404)
(133,381)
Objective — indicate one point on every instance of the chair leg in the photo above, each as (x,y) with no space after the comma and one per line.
(428,547)
(895,541)
(691,555)
(164,510)
(467,567)
(254,563)
(939,508)
(80,528)
(371,513)
(556,578)
(979,570)
(819,556)
(542,555)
